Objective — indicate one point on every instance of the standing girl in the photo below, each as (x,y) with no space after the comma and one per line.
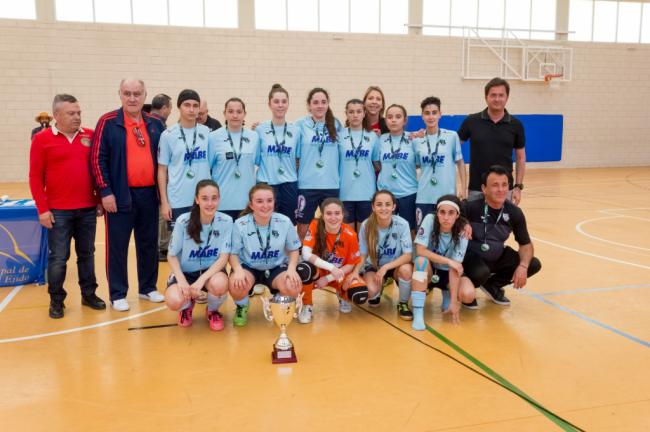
(333,248)
(386,251)
(279,141)
(398,169)
(439,156)
(358,158)
(440,250)
(318,173)
(374,102)
(264,250)
(198,253)
(233,152)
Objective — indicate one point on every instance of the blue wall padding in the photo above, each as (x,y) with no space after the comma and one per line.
(543,134)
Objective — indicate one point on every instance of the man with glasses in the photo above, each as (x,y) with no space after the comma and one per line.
(123,164)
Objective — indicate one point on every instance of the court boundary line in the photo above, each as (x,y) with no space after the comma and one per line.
(586,318)
(590,290)
(580,230)
(82,328)
(10,296)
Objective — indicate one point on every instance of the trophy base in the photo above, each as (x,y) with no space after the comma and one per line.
(283,356)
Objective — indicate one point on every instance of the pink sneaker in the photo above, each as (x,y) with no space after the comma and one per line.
(185,316)
(215,319)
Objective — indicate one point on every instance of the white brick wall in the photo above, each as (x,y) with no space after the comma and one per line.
(607,121)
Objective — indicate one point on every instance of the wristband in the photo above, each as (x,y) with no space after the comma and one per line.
(329,278)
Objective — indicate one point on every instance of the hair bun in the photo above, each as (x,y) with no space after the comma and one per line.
(276,86)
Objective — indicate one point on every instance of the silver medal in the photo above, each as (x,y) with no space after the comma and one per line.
(485,247)
(320,164)
(190,174)
(435,278)
(280,170)
(267,273)
(394,175)
(434,181)
(237,174)
(356,173)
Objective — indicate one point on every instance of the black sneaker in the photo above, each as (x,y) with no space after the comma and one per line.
(93,302)
(404,312)
(473,305)
(496,295)
(56,310)
(374,302)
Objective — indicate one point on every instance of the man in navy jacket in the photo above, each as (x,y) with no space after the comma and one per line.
(123,163)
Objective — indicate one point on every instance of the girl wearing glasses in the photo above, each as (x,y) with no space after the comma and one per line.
(234,151)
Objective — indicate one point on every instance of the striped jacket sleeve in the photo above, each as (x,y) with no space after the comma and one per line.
(100,154)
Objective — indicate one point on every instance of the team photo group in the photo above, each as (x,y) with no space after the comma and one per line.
(355,203)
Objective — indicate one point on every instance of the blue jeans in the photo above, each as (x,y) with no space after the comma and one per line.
(79,224)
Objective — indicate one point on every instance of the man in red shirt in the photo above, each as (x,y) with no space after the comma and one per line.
(62,187)
(123,162)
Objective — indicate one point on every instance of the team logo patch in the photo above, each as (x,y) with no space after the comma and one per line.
(85,142)
(394,235)
(201,136)
(421,231)
(216,233)
(506,217)
(275,234)
(289,134)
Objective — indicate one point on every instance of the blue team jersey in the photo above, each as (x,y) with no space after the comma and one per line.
(398,171)
(318,169)
(446,247)
(268,250)
(225,155)
(356,155)
(186,160)
(392,243)
(277,156)
(216,239)
(443,150)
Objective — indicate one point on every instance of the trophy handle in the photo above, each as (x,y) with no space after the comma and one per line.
(299,305)
(266,308)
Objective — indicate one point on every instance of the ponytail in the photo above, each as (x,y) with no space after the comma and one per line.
(372,228)
(194,224)
(330,121)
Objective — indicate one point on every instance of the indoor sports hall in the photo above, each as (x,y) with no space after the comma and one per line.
(572,350)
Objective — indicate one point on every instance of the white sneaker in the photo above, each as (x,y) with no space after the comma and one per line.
(305,314)
(344,306)
(258,289)
(153,296)
(121,305)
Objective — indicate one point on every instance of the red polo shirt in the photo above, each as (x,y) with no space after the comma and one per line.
(59,170)
(139,161)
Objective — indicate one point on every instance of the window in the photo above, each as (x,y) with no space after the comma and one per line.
(271,14)
(518,17)
(491,14)
(302,15)
(436,12)
(645,24)
(74,10)
(629,24)
(188,13)
(152,12)
(364,16)
(463,13)
(580,19)
(221,13)
(334,16)
(394,15)
(604,21)
(113,11)
(23,9)
(542,18)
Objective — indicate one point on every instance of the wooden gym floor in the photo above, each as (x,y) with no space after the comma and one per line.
(572,349)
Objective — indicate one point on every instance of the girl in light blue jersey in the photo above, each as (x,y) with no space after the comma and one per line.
(182,159)
(264,250)
(398,168)
(318,172)
(198,253)
(440,247)
(358,161)
(386,251)
(439,156)
(234,152)
(279,142)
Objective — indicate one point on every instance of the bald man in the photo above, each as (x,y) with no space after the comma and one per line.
(123,163)
(204,119)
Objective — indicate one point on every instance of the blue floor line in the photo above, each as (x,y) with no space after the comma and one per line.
(588,319)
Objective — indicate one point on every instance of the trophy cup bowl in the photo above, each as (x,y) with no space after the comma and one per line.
(282,310)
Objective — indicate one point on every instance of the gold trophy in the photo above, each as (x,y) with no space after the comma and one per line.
(282,310)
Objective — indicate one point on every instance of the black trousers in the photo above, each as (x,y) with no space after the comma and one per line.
(496,274)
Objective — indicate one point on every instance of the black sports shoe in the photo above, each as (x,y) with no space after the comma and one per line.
(93,302)
(472,305)
(56,310)
(496,295)
(404,312)
(374,302)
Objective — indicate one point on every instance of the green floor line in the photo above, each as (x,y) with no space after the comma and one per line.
(548,414)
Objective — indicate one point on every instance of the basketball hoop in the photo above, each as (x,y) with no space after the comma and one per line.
(549,77)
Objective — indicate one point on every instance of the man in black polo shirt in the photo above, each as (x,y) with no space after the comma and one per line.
(494,133)
(204,119)
(489,263)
